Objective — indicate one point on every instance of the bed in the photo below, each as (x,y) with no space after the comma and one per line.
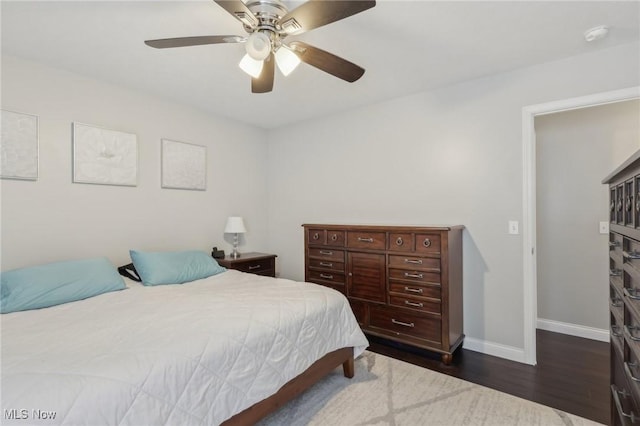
(228,349)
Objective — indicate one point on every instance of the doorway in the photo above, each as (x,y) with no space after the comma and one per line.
(529,199)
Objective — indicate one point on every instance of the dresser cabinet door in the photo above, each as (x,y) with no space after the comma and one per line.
(366,277)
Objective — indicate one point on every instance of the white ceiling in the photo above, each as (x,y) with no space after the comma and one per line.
(405,47)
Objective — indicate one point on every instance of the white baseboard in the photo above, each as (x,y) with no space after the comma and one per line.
(573,330)
(494,349)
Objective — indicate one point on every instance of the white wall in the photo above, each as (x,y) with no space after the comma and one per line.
(53,219)
(449,156)
(575,151)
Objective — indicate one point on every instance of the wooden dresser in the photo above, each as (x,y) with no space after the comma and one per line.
(403,283)
(624,291)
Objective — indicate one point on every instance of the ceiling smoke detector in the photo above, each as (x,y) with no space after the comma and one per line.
(596,33)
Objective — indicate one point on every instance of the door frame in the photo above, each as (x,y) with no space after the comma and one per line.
(529,255)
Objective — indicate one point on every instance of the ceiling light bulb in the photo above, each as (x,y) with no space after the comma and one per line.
(251,66)
(596,33)
(258,46)
(287,60)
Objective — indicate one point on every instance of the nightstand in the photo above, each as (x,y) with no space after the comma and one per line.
(254,263)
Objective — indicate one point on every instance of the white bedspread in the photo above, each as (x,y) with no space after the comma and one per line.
(195,353)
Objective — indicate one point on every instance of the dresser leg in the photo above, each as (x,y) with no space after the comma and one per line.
(446,359)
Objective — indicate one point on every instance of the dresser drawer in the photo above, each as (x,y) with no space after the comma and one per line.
(622,395)
(326,277)
(417,304)
(401,241)
(413,262)
(327,237)
(428,243)
(326,254)
(617,335)
(414,276)
(258,266)
(328,265)
(366,240)
(403,322)
(631,331)
(631,368)
(360,311)
(431,291)
(616,303)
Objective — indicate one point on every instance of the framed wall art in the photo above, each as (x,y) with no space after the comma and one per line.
(184,165)
(18,146)
(104,157)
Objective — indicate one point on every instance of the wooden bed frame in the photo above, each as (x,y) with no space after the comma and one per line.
(296,386)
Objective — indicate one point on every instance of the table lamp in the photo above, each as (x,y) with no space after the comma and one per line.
(235,226)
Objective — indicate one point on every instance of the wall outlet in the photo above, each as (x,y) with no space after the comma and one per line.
(513,227)
(604,227)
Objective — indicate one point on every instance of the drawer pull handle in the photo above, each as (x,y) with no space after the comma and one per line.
(365,240)
(614,244)
(616,398)
(413,290)
(615,272)
(334,237)
(253,267)
(327,264)
(632,293)
(316,236)
(410,275)
(417,305)
(399,241)
(414,261)
(631,255)
(426,242)
(326,276)
(326,252)
(405,324)
(627,369)
(630,329)
(615,331)
(616,302)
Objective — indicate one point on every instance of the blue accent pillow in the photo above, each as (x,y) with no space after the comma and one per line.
(56,283)
(174,267)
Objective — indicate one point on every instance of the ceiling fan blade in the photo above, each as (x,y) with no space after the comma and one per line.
(240,11)
(165,43)
(264,83)
(316,13)
(327,62)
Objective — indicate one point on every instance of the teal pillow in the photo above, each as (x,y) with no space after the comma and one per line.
(56,283)
(174,267)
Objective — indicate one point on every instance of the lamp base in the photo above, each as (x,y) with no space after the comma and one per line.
(234,255)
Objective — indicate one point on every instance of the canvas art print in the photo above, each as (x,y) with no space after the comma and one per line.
(19,146)
(104,157)
(184,165)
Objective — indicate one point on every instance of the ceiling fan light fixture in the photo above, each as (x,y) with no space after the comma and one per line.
(286,60)
(258,46)
(251,66)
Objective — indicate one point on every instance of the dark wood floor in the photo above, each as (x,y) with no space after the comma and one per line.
(572,374)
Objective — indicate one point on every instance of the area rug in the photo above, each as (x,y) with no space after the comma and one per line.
(386,391)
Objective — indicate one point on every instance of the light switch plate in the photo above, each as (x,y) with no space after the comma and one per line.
(604,227)
(513,227)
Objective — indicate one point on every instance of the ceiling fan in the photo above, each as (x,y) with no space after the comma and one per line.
(268,23)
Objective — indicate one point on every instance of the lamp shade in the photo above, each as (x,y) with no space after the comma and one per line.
(287,60)
(251,66)
(235,225)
